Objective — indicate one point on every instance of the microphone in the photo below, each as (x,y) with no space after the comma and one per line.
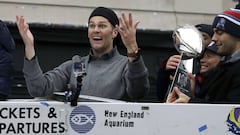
(78,67)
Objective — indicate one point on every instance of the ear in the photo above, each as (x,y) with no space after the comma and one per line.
(114,33)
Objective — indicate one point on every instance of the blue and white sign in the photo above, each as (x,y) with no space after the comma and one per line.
(100,118)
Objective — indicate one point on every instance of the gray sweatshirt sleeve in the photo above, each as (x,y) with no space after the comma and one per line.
(138,81)
(41,84)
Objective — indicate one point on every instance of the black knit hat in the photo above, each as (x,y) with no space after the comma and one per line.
(212,47)
(205,28)
(107,13)
(229,22)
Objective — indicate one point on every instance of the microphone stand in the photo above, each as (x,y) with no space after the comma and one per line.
(76,93)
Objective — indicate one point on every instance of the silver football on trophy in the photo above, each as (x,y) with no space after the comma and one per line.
(188,41)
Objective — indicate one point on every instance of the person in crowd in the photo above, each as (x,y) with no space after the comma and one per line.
(207,33)
(223,84)
(208,62)
(108,73)
(7,46)
(169,66)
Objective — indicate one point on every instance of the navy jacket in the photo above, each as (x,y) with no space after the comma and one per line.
(7,46)
(222,85)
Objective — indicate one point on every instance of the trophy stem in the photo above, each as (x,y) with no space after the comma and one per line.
(174,77)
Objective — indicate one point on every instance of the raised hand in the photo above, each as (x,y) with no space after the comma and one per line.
(27,37)
(127,31)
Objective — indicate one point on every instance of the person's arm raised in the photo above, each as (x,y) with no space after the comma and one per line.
(127,31)
(27,37)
